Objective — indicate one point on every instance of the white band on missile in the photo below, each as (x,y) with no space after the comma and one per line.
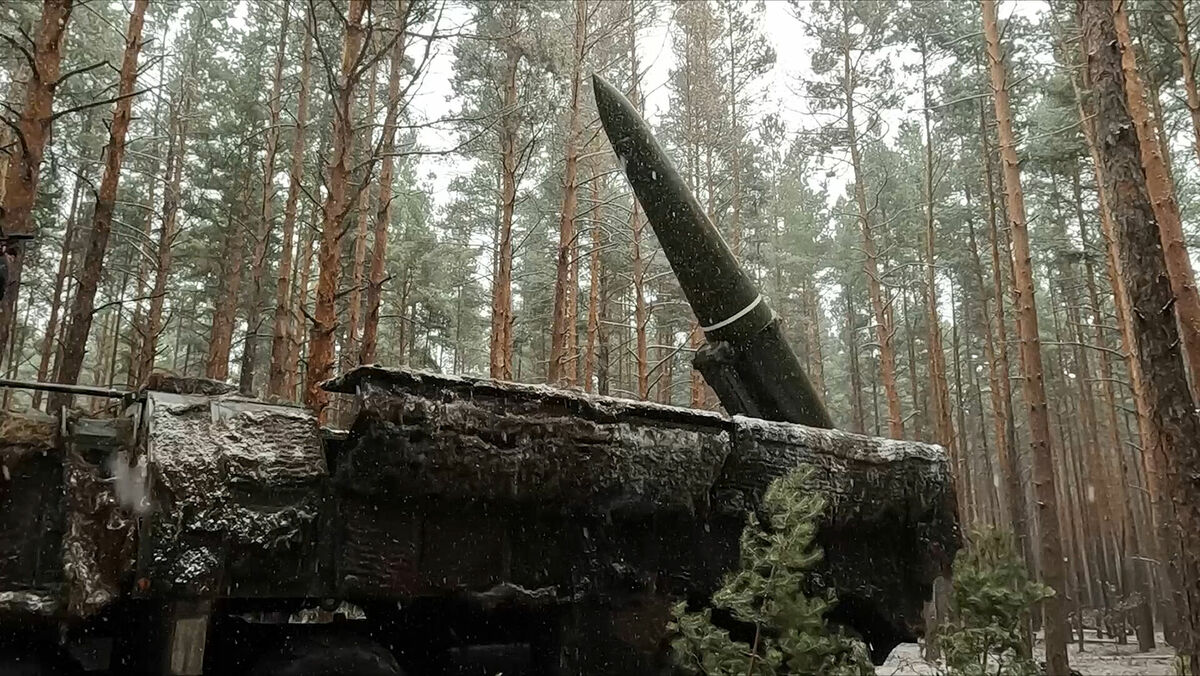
(741,313)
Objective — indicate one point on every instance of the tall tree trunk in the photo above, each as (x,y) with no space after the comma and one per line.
(816,350)
(604,365)
(383,215)
(57,299)
(1186,62)
(285,326)
(1086,462)
(1010,463)
(262,236)
(333,213)
(299,309)
(350,350)
(594,283)
(641,316)
(80,324)
(1031,360)
(1144,268)
(138,321)
(561,365)
(963,456)
(176,155)
(937,357)
(229,287)
(735,142)
(884,327)
(1135,539)
(501,343)
(1012,495)
(1160,509)
(918,428)
(116,338)
(32,129)
(1080,526)
(663,353)
(1161,191)
(1126,546)
(857,416)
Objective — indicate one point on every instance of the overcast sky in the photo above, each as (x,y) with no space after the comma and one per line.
(792,48)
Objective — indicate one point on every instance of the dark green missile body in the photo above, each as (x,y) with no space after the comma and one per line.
(746,359)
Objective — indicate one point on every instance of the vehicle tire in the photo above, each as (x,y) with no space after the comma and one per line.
(327,655)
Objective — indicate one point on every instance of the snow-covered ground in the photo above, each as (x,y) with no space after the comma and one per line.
(1099,658)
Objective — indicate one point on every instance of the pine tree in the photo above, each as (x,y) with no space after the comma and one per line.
(334,210)
(1045,485)
(790,634)
(1144,269)
(32,130)
(992,598)
(76,333)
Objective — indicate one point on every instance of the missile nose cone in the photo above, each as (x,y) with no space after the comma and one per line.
(599,83)
(614,111)
(725,300)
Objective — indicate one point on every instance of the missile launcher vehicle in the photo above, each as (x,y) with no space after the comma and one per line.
(458,525)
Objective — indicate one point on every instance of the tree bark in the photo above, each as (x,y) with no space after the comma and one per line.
(1188,65)
(285,327)
(857,420)
(1127,548)
(1133,536)
(350,349)
(383,216)
(884,325)
(1031,359)
(262,236)
(917,430)
(942,415)
(1144,268)
(1018,509)
(58,299)
(304,261)
(76,334)
(220,340)
(500,346)
(735,141)
(144,260)
(816,349)
(333,214)
(641,316)
(176,155)
(594,284)
(33,130)
(561,368)
(1161,190)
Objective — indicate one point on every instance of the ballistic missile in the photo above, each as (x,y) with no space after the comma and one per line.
(746,359)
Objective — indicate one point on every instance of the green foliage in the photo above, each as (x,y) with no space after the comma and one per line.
(993,593)
(790,633)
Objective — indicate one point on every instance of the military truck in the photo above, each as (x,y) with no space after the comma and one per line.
(459,526)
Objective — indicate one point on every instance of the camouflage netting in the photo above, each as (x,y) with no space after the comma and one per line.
(237,496)
(625,503)
(22,435)
(539,447)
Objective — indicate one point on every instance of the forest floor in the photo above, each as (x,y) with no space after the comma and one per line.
(1099,658)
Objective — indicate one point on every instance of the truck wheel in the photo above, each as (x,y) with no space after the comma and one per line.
(327,656)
